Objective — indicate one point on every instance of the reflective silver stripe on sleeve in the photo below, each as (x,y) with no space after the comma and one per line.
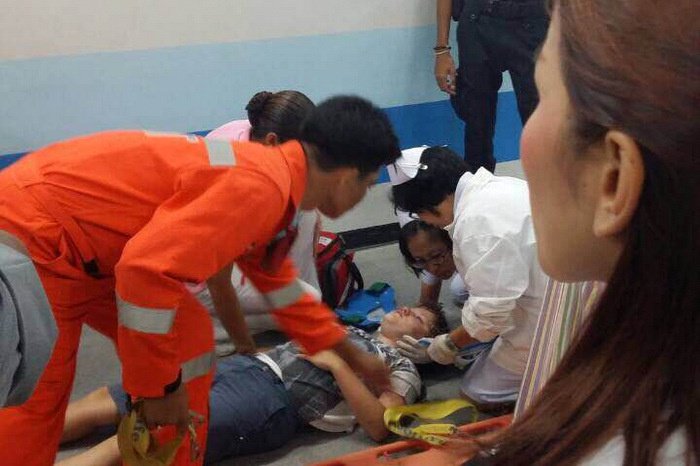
(220,153)
(197,366)
(144,319)
(285,296)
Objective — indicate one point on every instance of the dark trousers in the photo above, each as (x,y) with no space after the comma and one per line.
(490,44)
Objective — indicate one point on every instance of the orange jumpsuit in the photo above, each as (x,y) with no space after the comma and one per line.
(116,224)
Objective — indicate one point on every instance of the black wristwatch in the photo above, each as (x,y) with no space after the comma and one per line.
(173,386)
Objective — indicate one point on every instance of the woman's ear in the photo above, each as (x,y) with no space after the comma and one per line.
(621,184)
(271,139)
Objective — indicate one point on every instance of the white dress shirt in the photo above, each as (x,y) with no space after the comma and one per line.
(496,255)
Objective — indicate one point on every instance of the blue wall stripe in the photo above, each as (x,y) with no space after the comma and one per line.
(435,123)
(201,86)
(8,159)
(432,123)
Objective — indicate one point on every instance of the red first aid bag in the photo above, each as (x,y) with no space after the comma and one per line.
(338,275)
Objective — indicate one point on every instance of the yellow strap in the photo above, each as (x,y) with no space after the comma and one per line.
(138,448)
(435,434)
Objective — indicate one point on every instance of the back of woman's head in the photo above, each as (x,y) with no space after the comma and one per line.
(631,66)
(442,169)
(413,228)
(277,112)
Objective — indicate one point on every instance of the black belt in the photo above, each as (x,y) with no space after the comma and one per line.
(510,9)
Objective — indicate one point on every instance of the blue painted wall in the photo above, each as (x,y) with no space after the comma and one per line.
(432,123)
(72,81)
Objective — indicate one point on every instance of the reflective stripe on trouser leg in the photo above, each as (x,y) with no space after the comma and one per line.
(285,296)
(220,153)
(197,363)
(197,366)
(144,319)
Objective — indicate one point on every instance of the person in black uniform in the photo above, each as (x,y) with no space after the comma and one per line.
(493,36)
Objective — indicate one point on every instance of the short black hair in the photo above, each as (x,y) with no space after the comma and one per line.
(410,230)
(350,131)
(432,185)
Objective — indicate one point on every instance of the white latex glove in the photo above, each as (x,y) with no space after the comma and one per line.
(442,350)
(415,350)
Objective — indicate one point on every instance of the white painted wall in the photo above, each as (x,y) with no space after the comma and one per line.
(45,28)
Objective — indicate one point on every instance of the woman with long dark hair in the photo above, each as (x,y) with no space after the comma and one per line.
(611,156)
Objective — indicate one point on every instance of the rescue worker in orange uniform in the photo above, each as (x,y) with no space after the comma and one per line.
(118,223)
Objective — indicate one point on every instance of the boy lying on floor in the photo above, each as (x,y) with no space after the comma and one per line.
(257,402)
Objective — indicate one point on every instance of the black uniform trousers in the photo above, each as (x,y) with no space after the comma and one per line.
(494,36)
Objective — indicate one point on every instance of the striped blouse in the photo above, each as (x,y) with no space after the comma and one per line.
(564,310)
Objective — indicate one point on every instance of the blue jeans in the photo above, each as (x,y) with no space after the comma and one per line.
(249,409)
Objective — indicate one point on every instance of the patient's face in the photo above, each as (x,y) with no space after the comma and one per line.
(414,321)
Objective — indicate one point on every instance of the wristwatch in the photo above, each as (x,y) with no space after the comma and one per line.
(173,386)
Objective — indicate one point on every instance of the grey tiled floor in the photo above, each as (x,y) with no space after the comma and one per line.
(98,365)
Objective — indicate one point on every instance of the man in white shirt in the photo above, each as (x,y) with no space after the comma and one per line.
(488,218)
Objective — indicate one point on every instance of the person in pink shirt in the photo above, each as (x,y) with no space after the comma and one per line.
(236,130)
(273,118)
